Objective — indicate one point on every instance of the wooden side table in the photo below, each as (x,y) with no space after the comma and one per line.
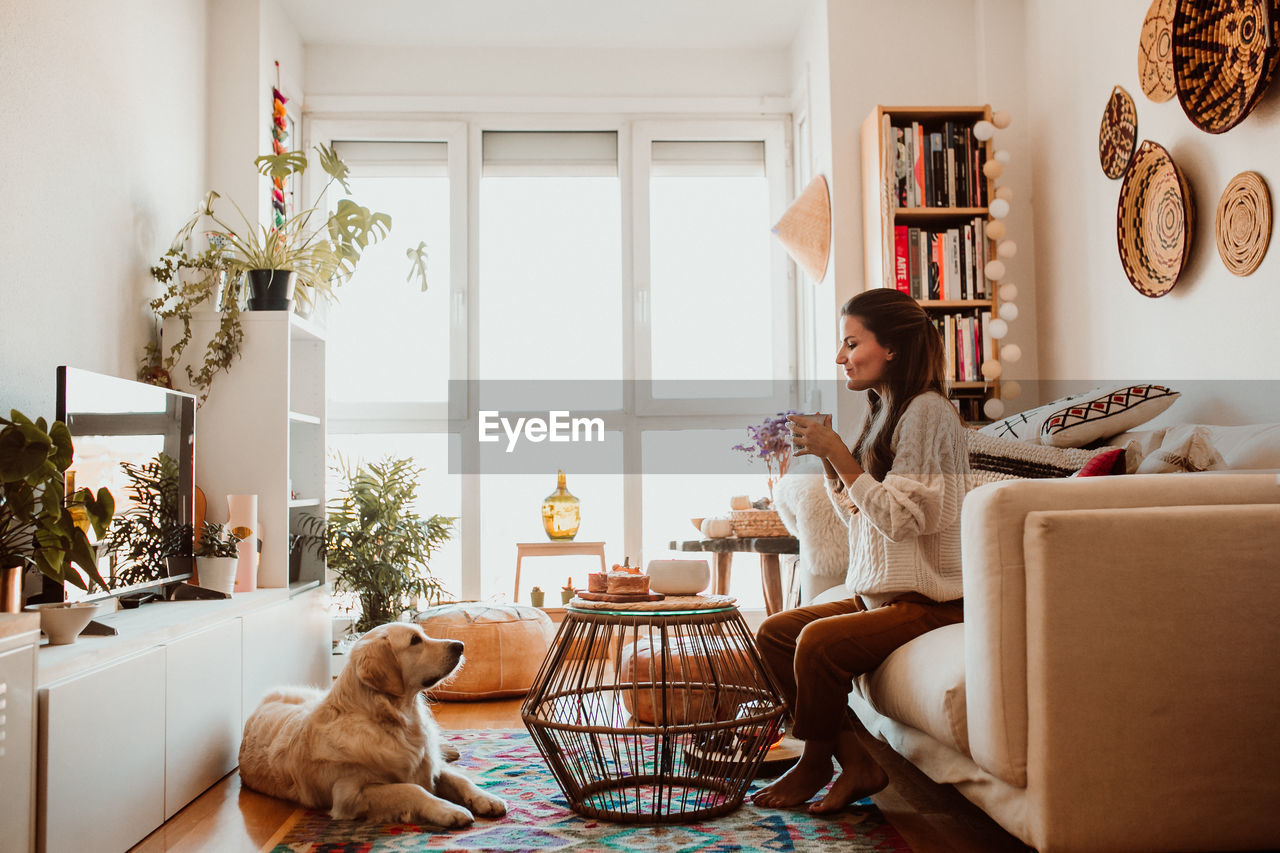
(555,549)
(770,548)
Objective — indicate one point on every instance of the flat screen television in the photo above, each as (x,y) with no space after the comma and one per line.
(118,426)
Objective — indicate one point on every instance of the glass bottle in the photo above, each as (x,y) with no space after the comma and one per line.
(560,512)
(74,506)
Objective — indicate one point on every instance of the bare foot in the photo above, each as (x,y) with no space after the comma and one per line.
(810,774)
(860,776)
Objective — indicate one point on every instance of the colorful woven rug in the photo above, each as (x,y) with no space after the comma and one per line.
(539,819)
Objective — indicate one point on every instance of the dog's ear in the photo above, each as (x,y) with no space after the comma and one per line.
(378,667)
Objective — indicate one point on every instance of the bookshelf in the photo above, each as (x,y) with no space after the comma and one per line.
(925,207)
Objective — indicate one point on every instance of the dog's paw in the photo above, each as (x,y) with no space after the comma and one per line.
(487,805)
(448,753)
(448,815)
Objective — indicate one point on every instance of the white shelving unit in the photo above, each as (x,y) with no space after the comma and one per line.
(262,430)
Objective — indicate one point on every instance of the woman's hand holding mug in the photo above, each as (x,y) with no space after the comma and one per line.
(812,435)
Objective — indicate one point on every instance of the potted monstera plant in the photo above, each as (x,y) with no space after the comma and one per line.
(41,526)
(308,256)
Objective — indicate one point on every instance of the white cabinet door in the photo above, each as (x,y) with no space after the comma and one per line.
(202,712)
(17,749)
(286,645)
(102,757)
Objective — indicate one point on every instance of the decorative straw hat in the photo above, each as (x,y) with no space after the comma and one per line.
(1154,220)
(805,229)
(1155,52)
(1118,134)
(1224,53)
(1243,223)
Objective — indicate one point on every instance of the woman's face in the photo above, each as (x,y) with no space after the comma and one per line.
(865,362)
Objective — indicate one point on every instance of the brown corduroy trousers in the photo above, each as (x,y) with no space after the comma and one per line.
(815,652)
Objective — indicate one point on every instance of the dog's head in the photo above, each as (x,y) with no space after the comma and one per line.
(400,659)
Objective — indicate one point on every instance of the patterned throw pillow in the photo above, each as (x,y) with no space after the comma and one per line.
(992,458)
(1105,414)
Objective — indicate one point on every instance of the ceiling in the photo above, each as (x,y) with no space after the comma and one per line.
(637,24)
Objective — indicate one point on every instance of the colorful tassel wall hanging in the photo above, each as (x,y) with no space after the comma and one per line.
(279,133)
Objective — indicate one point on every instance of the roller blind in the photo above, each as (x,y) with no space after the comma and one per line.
(550,153)
(730,159)
(404,158)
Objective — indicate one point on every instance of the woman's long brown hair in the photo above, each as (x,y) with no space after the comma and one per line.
(901,326)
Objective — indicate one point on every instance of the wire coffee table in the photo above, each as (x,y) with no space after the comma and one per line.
(655,712)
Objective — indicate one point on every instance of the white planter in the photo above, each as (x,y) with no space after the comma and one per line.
(218,573)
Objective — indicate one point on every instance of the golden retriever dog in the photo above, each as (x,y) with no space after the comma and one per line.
(369,747)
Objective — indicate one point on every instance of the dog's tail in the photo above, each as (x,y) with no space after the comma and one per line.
(291,695)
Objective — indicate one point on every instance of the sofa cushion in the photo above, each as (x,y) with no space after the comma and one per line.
(505,645)
(1260,450)
(922,684)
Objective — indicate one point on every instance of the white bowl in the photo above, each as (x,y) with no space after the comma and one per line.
(678,577)
(62,623)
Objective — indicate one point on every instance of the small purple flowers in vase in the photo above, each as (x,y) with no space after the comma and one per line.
(770,441)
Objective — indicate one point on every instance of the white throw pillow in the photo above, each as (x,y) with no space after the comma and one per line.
(1190,451)
(1025,426)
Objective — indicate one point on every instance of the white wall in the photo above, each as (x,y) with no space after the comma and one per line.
(1214,329)
(811,99)
(926,52)
(103,156)
(543,72)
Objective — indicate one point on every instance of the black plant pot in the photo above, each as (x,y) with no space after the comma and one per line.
(271,290)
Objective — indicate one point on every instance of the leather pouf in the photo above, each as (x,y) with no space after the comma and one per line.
(505,645)
(699,686)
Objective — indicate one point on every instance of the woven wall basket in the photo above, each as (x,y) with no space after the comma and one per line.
(1155,219)
(1118,134)
(1223,58)
(1242,223)
(1155,52)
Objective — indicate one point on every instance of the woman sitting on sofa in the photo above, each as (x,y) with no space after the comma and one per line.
(899,492)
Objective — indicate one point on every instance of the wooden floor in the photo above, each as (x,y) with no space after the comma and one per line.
(227,818)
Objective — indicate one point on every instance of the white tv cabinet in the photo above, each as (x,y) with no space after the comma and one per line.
(133,727)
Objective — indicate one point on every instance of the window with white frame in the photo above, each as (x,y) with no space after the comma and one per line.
(635,259)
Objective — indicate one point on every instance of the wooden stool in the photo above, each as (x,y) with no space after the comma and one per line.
(555,549)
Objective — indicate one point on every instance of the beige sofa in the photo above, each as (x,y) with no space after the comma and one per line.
(1114,686)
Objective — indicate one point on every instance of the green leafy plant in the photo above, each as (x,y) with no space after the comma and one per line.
(375,543)
(217,540)
(143,537)
(190,282)
(37,521)
(324,247)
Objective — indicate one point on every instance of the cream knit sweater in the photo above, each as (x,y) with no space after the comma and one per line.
(904,532)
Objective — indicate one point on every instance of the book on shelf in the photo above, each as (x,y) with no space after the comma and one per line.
(917,170)
(938,164)
(914,262)
(901,264)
